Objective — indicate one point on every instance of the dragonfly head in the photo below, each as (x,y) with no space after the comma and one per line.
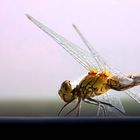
(65,91)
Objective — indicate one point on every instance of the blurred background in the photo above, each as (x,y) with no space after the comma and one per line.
(33,66)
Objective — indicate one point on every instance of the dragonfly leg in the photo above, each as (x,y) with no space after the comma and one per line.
(78,110)
(104,110)
(64,107)
(76,106)
(99,108)
(95,102)
(110,105)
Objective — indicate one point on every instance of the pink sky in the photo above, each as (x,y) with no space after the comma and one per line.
(33,65)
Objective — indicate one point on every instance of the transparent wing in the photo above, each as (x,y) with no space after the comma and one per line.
(101,62)
(79,54)
(134,95)
(114,100)
(94,53)
(109,98)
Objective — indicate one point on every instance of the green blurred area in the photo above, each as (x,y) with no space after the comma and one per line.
(38,108)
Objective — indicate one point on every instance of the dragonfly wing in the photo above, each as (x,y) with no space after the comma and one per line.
(134,95)
(95,55)
(79,54)
(101,62)
(113,99)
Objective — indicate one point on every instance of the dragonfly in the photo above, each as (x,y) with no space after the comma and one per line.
(95,87)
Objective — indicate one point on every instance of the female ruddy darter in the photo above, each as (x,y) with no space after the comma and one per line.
(101,78)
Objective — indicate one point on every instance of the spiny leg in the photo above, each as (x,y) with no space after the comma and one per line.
(65,106)
(78,110)
(77,105)
(110,105)
(95,102)
(99,108)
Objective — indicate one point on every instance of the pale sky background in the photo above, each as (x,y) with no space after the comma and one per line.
(33,66)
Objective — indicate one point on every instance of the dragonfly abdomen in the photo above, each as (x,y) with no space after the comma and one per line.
(120,84)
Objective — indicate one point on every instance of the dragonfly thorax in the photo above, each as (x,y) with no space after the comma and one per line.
(93,84)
